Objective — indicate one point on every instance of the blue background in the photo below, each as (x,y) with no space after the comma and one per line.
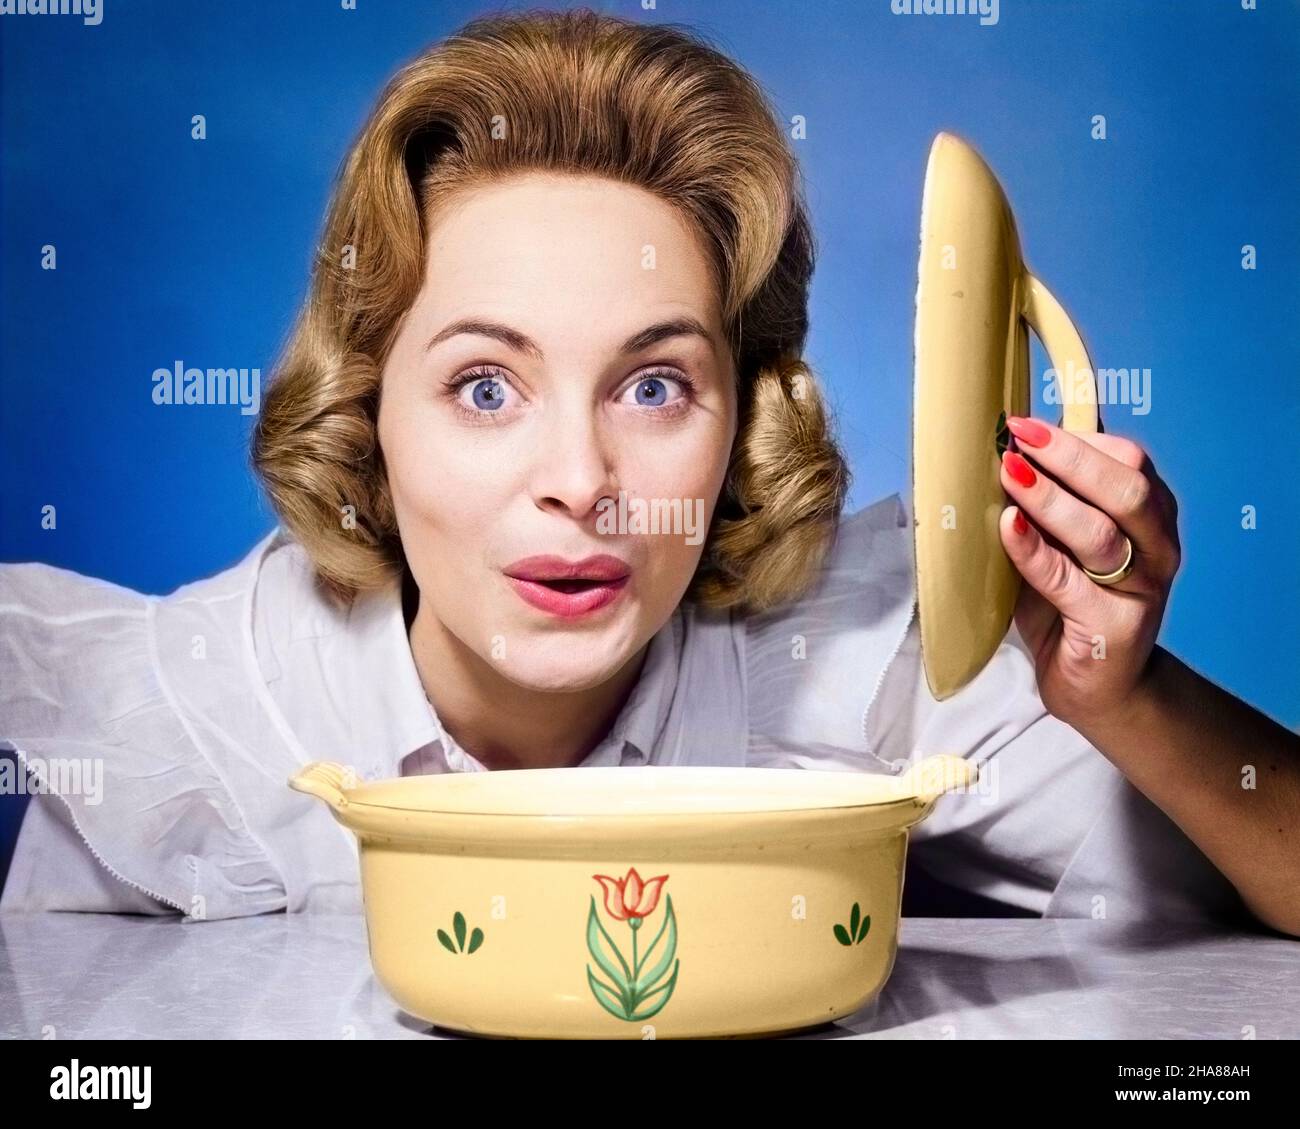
(173,248)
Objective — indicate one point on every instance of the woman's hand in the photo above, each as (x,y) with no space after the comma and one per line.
(1085,493)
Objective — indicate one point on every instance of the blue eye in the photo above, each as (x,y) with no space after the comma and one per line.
(651,392)
(488,394)
(654,391)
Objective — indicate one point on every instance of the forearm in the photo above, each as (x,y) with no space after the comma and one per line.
(1228,775)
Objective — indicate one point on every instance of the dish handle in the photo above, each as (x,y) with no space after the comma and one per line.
(932,777)
(1065,347)
(325,780)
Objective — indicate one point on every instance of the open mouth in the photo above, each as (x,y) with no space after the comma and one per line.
(571,585)
(569,598)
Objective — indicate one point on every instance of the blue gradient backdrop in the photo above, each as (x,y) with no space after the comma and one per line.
(170,248)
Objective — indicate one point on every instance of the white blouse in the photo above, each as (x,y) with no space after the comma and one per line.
(199,705)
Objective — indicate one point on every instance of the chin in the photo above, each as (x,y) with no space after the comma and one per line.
(563,663)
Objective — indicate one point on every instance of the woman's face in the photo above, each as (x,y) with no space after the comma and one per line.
(559,388)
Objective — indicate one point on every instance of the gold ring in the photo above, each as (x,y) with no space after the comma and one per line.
(1119,574)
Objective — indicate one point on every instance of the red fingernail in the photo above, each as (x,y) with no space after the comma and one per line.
(1020,470)
(1019,524)
(1029,430)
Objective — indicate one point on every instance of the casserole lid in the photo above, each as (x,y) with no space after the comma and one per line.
(975,302)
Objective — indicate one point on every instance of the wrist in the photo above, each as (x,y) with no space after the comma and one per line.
(1129,715)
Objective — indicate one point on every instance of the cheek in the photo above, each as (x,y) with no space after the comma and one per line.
(692,472)
(690,467)
(436,478)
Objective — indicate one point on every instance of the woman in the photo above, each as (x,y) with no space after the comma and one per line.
(564,281)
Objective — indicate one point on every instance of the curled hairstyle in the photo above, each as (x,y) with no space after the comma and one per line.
(580,93)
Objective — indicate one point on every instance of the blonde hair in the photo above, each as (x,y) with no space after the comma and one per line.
(586,94)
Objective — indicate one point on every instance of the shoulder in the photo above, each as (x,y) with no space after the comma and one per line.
(286,586)
(813,666)
(875,545)
(44,591)
(866,571)
(97,647)
(873,528)
(37,589)
(288,605)
(242,577)
(238,602)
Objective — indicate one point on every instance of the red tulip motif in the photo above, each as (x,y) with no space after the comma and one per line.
(630,896)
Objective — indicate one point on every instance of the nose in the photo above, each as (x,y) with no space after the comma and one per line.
(573,462)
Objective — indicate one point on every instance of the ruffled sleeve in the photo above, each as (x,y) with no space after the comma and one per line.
(119,775)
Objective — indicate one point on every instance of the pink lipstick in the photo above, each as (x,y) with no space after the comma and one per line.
(568,589)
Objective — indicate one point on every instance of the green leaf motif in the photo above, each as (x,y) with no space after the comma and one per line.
(667,990)
(460,927)
(670,949)
(856,933)
(607,997)
(619,975)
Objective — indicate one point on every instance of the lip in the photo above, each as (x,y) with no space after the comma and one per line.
(599,567)
(528,578)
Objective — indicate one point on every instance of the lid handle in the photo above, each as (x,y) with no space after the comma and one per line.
(1064,345)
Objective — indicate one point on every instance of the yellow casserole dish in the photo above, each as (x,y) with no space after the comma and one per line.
(633,902)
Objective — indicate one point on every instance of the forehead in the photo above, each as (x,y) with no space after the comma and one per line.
(566,248)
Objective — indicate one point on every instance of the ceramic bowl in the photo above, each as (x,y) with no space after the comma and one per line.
(633,902)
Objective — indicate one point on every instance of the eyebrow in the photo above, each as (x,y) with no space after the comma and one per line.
(661,331)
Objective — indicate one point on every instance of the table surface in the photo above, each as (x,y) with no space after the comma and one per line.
(307,976)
